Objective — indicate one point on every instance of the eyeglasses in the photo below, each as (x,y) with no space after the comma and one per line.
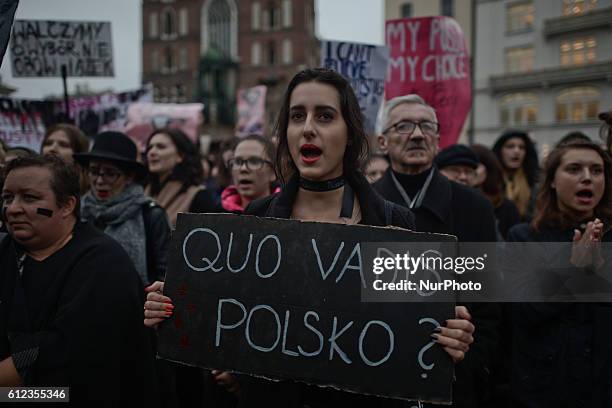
(252,163)
(108,176)
(406,127)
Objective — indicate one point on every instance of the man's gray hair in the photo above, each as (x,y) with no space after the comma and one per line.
(398,100)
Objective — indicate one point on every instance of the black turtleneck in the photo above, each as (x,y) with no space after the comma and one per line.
(412,183)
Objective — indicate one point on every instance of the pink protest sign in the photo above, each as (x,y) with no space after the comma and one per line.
(143,118)
(251,111)
(429,57)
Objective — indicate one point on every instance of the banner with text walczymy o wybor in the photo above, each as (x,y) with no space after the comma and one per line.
(365,67)
(39,48)
(429,57)
(281,299)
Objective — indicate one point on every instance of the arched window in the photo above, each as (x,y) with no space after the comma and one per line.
(255,53)
(168,60)
(578,104)
(255,16)
(220,27)
(287,13)
(168,23)
(287,51)
(271,53)
(519,109)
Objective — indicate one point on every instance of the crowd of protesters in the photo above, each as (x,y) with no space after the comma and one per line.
(85,235)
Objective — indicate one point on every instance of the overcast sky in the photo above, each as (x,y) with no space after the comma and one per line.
(347,20)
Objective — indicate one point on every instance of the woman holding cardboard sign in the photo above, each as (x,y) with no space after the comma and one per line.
(321,152)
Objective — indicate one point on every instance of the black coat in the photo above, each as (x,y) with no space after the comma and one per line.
(507,216)
(79,312)
(561,351)
(448,208)
(451,208)
(258,392)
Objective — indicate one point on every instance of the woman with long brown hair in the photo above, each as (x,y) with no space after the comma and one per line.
(561,355)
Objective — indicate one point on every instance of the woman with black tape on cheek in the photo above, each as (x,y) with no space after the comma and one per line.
(320,158)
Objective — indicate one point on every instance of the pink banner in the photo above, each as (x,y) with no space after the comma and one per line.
(144,118)
(251,111)
(429,57)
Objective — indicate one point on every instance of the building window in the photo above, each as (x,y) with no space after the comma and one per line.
(287,51)
(308,18)
(519,59)
(287,13)
(271,17)
(256,54)
(271,53)
(183,58)
(256,16)
(519,16)
(168,23)
(519,109)
(183,21)
(406,10)
(155,61)
(168,66)
(446,8)
(579,104)
(153,25)
(573,7)
(578,51)
(219,26)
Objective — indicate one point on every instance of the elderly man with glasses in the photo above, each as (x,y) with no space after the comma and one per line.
(410,138)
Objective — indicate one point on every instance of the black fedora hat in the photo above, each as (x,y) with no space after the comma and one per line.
(114,147)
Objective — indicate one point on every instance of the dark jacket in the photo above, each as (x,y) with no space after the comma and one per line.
(561,351)
(507,216)
(451,208)
(448,208)
(75,319)
(157,230)
(258,392)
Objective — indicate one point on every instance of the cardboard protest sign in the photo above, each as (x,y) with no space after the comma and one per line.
(365,66)
(23,122)
(108,111)
(251,111)
(143,118)
(281,299)
(429,57)
(40,48)
(7,13)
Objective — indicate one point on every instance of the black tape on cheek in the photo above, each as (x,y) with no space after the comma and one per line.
(44,211)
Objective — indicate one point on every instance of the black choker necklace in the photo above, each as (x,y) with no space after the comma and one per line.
(327,185)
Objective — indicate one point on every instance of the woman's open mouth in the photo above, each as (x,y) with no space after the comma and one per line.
(310,153)
(585,196)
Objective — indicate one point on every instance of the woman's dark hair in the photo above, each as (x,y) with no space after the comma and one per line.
(65,177)
(605,131)
(224,175)
(493,185)
(78,141)
(547,212)
(357,146)
(189,171)
(573,137)
(530,163)
(269,149)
